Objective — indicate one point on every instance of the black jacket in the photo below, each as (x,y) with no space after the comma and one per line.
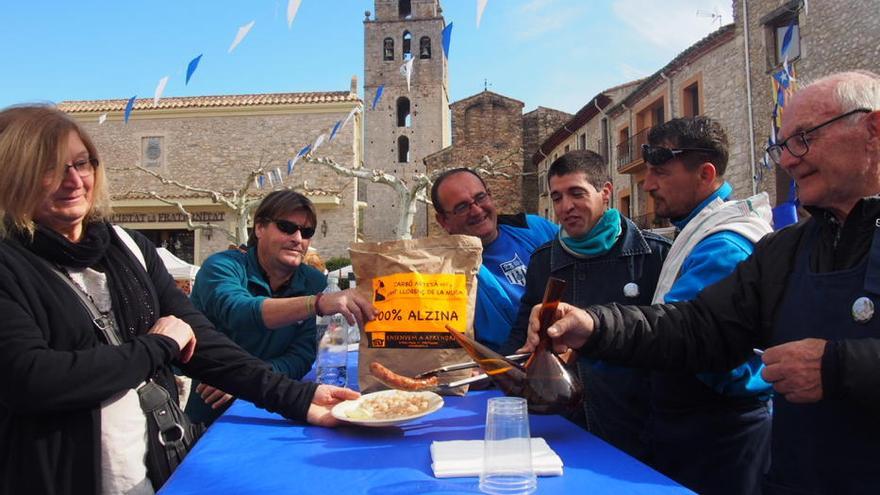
(719,329)
(54,373)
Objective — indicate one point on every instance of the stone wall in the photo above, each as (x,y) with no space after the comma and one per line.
(834,36)
(538,125)
(485,125)
(217,151)
(428,127)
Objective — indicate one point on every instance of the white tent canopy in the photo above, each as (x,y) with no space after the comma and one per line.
(178,268)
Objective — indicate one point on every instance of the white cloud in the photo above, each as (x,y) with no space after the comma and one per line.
(671,24)
(630,73)
(541,16)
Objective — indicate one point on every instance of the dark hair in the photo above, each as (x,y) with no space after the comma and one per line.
(435,200)
(590,163)
(694,132)
(279,204)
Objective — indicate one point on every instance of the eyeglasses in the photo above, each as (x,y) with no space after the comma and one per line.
(658,155)
(481,200)
(290,228)
(85,167)
(798,145)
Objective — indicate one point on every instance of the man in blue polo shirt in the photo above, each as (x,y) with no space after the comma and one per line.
(463,205)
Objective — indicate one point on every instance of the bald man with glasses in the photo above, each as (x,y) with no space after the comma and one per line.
(806,299)
(463,205)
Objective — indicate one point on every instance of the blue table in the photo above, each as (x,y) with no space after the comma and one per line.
(251,451)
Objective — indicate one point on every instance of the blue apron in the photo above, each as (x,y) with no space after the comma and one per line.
(831,446)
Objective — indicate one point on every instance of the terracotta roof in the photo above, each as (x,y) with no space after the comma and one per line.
(194,195)
(710,42)
(260,99)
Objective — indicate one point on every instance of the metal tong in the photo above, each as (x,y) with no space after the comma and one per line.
(464,366)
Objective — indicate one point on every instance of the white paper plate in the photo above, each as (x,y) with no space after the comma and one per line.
(340,411)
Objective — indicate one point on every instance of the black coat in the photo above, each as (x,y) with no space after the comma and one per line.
(719,329)
(54,372)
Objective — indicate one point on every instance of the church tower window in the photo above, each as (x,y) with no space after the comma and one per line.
(425,47)
(388,49)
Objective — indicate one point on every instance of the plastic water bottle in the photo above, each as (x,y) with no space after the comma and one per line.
(354,333)
(332,333)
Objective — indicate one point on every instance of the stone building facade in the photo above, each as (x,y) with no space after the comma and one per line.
(408,123)
(720,78)
(213,143)
(492,125)
(537,126)
(485,125)
(829,36)
(587,129)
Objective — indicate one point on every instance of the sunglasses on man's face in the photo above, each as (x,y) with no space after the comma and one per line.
(290,228)
(658,155)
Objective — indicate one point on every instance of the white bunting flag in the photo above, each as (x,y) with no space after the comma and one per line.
(160,88)
(292,7)
(242,32)
(318,142)
(347,118)
(406,71)
(481,6)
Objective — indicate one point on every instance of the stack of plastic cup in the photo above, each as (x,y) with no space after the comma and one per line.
(507,451)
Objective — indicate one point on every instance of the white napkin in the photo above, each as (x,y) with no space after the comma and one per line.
(464,458)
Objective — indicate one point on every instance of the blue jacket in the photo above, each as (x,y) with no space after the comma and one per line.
(617,398)
(496,310)
(711,260)
(230,289)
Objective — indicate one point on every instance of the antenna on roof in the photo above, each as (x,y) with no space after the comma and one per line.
(714,15)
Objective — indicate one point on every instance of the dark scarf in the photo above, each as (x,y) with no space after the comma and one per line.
(101,250)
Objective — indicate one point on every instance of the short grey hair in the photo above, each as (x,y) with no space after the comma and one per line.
(858,89)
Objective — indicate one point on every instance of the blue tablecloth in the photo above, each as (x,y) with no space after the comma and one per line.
(252,451)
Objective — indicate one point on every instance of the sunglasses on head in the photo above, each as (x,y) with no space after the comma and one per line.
(291,228)
(658,155)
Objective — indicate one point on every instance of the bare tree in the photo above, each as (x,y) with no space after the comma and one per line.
(411,193)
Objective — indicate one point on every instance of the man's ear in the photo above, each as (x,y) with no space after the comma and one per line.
(872,121)
(607,189)
(441,219)
(708,173)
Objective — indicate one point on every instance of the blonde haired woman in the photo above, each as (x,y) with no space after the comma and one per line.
(70,421)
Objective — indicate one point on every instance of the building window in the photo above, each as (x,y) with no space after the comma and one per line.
(403,149)
(690,100)
(424,47)
(152,152)
(567,148)
(404,9)
(776,23)
(582,141)
(388,49)
(779,30)
(404,117)
(407,45)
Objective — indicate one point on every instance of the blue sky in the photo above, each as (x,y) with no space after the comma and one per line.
(552,53)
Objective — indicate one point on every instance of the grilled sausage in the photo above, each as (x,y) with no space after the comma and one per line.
(401,382)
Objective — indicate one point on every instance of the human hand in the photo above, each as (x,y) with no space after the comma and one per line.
(572,328)
(350,303)
(795,369)
(213,396)
(327,396)
(180,331)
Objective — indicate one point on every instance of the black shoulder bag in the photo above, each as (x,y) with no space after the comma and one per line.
(170,433)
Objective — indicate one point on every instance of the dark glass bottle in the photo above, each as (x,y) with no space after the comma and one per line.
(551,387)
(545,381)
